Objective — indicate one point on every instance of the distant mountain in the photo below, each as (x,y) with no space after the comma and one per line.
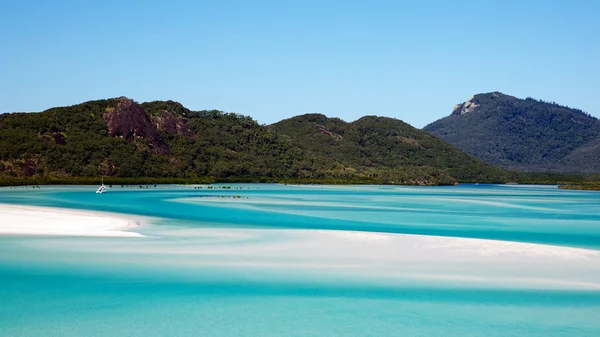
(523,134)
(121,138)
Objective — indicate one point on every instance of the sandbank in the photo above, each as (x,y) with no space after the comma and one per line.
(349,256)
(37,220)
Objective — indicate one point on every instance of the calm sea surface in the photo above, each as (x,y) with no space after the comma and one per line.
(276,260)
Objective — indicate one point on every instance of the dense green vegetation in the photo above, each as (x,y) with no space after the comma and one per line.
(581,186)
(222,145)
(163,142)
(576,181)
(523,135)
(48,180)
(384,149)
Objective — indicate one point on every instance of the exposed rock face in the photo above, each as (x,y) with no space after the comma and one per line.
(466,107)
(128,120)
(324,131)
(59,139)
(56,137)
(411,141)
(172,124)
(28,169)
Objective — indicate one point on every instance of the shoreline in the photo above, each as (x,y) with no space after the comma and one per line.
(593,186)
(50,221)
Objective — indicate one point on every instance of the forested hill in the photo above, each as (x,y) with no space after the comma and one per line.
(121,138)
(385,146)
(523,134)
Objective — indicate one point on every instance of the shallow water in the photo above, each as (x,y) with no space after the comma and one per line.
(260,260)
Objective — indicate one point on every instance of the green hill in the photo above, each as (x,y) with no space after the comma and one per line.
(523,134)
(384,148)
(121,139)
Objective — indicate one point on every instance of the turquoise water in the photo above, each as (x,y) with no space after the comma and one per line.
(260,260)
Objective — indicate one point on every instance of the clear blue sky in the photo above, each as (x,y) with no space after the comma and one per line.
(411,60)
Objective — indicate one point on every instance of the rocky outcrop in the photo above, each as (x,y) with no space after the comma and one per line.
(466,107)
(333,135)
(411,141)
(167,122)
(28,168)
(22,167)
(59,138)
(475,102)
(128,120)
(56,137)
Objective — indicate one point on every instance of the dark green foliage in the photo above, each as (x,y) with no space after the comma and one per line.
(72,144)
(384,149)
(592,186)
(218,145)
(154,107)
(110,181)
(525,135)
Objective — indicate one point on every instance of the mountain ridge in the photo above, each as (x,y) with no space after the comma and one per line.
(523,134)
(119,137)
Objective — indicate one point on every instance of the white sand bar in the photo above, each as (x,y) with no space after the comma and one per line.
(347,256)
(34,220)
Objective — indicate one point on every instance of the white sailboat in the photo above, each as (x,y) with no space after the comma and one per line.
(102,188)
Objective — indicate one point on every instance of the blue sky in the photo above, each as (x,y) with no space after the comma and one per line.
(412,60)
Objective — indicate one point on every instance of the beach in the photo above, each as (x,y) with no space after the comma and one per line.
(312,254)
(351,261)
(35,220)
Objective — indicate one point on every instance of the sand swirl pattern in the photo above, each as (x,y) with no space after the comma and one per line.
(302,260)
